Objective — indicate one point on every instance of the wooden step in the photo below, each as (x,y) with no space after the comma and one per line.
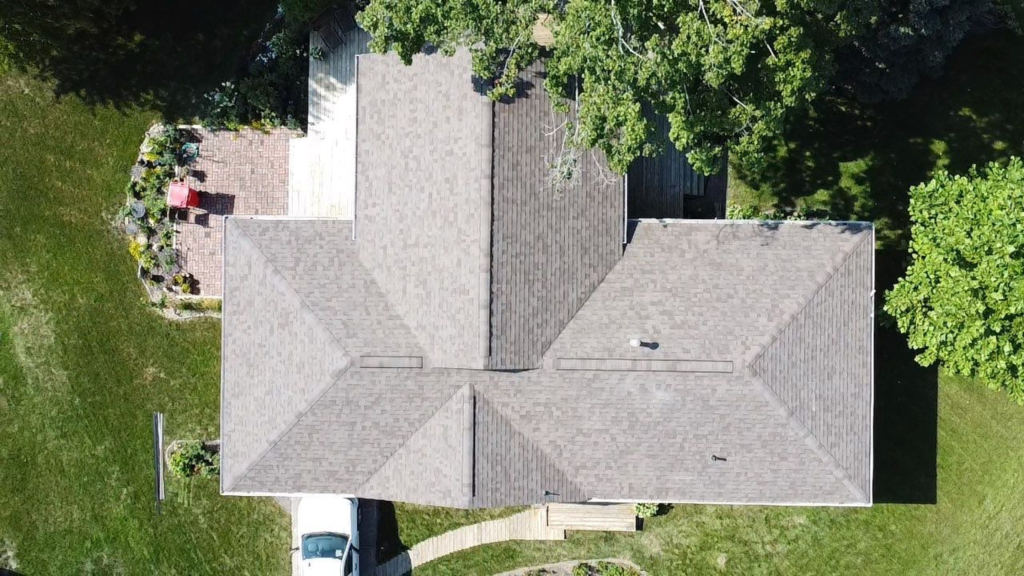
(602,517)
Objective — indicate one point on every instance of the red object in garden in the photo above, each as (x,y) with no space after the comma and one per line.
(181,196)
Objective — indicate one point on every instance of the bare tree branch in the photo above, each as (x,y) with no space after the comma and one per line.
(622,32)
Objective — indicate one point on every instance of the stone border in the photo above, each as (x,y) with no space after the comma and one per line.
(565,568)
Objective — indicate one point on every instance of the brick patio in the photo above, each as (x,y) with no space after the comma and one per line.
(242,173)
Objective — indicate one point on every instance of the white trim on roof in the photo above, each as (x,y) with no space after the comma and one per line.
(731,503)
(603,500)
(871,454)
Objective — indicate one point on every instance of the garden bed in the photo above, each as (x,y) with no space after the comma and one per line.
(193,458)
(165,156)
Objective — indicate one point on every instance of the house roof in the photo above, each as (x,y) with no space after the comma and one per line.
(466,341)
(423,199)
(763,358)
(479,247)
(552,239)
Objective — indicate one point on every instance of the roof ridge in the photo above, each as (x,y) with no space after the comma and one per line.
(553,462)
(808,437)
(348,361)
(284,432)
(823,279)
(413,435)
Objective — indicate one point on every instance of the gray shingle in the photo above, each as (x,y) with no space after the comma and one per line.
(651,435)
(354,429)
(510,468)
(819,361)
(757,335)
(423,199)
(633,434)
(701,290)
(277,357)
(552,241)
(320,260)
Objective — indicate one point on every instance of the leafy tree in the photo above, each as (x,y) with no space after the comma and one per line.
(725,72)
(305,10)
(910,40)
(962,299)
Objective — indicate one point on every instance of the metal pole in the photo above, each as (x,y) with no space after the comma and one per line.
(158,456)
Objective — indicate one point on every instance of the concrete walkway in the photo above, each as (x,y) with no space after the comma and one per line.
(529,525)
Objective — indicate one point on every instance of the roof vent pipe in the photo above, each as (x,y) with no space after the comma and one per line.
(635,342)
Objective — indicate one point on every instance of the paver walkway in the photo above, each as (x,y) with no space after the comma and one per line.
(529,525)
(244,172)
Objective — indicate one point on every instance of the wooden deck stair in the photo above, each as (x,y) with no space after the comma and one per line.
(603,517)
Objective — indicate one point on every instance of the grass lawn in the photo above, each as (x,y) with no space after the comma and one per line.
(417,523)
(949,468)
(84,363)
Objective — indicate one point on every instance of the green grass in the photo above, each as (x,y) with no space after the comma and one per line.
(949,464)
(84,363)
(417,523)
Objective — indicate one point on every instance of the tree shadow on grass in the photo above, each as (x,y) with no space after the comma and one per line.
(906,406)
(161,53)
(858,161)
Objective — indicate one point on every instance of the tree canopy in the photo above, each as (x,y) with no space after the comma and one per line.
(908,41)
(727,73)
(962,299)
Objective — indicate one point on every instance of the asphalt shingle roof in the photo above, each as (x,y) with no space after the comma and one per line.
(552,240)
(753,385)
(423,199)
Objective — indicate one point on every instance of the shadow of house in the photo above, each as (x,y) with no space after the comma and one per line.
(906,407)
(387,540)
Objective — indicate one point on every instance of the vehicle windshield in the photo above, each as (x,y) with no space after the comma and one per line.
(323,545)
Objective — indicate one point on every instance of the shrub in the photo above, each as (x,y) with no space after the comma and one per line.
(193,459)
(272,89)
(647,509)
